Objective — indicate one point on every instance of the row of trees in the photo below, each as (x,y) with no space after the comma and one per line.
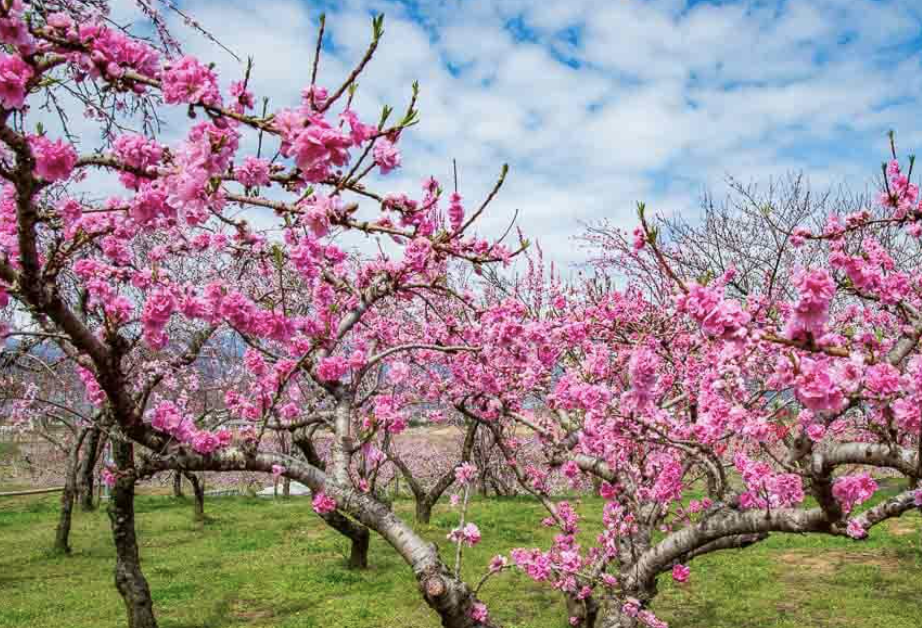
(724,392)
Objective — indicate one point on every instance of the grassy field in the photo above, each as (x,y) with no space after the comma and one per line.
(263,563)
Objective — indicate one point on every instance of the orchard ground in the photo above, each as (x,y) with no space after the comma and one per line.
(272,563)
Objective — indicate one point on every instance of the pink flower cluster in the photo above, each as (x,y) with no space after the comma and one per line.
(54,161)
(158,309)
(253,172)
(811,311)
(386,155)
(137,152)
(469,534)
(332,369)
(852,490)
(680,573)
(767,489)
(108,477)
(718,317)
(168,417)
(186,80)
(94,393)
(465,473)
(15,74)
(323,503)
(817,386)
(479,613)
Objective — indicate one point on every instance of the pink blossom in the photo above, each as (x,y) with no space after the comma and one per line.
(465,473)
(498,563)
(816,388)
(205,442)
(14,74)
(13,31)
(360,133)
(855,530)
(318,148)
(398,372)
(680,573)
(851,490)
(469,534)
(718,318)
(816,431)
(278,470)
(640,239)
(253,172)
(54,161)
(186,80)
(108,477)
(138,152)
(332,369)
(94,392)
(479,613)
(811,311)
(158,308)
(323,504)
(882,379)
(799,236)
(455,211)
(386,155)
(243,98)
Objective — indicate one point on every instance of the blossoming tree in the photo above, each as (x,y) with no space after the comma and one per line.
(711,418)
(109,278)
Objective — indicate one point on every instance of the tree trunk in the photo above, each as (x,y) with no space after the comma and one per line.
(357,534)
(198,489)
(129,579)
(177,485)
(423,511)
(585,610)
(286,488)
(86,475)
(358,553)
(68,495)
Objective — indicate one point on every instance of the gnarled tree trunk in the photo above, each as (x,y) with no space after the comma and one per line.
(177,485)
(92,447)
(423,510)
(585,610)
(357,534)
(68,495)
(198,490)
(129,579)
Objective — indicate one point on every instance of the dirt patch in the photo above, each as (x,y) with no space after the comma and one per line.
(905,526)
(808,565)
(247,610)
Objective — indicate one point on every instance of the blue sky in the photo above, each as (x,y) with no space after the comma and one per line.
(597,104)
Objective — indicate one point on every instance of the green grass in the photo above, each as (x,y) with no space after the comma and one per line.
(8,449)
(264,563)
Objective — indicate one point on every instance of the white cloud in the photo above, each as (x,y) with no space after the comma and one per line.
(665,100)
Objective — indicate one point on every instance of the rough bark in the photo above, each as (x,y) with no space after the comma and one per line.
(86,476)
(68,495)
(177,485)
(129,579)
(585,610)
(423,511)
(356,533)
(616,618)
(198,490)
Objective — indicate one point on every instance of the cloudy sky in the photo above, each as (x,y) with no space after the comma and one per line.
(596,104)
